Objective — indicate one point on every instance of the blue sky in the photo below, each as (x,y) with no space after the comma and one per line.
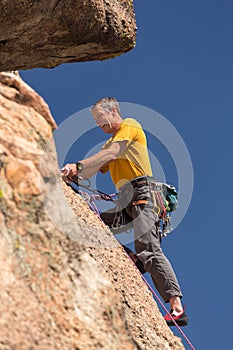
(181,67)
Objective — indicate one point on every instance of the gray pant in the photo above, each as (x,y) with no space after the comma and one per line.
(147,238)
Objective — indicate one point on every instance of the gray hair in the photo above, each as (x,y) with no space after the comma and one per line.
(107,103)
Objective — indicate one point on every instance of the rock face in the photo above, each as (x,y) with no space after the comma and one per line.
(65,282)
(48,33)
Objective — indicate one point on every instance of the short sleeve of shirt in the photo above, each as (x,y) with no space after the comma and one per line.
(128,131)
(104,169)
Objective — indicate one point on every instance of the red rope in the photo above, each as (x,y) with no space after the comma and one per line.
(164,307)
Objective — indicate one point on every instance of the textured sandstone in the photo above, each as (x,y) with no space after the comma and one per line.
(48,33)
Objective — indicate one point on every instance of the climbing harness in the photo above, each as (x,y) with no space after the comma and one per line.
(164,198)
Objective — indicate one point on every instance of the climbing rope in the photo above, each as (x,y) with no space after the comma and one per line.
(90,198)
(100,195)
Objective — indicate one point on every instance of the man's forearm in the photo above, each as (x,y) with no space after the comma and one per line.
(92,164)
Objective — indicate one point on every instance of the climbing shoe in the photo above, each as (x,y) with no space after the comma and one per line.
(180,318)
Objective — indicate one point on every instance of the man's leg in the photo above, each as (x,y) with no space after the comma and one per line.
(135,259)
(148,249)
(149,252)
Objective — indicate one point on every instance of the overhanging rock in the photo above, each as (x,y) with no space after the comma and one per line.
(42,33)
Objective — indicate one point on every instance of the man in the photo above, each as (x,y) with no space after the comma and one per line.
(125,156)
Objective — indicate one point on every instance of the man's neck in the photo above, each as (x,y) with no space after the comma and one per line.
(116,127)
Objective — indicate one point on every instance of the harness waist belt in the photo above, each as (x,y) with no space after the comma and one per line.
(140,180)
(140,201)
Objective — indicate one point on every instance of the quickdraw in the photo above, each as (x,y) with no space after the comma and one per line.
(161,206)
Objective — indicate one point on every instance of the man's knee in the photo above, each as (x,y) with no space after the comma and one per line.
(107,218)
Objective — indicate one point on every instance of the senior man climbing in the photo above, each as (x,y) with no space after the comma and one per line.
(125,156)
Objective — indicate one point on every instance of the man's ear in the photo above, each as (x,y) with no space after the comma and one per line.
(114,111)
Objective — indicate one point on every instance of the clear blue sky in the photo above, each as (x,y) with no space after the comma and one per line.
(182,68)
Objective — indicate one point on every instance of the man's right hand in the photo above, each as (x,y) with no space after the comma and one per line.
(69,172)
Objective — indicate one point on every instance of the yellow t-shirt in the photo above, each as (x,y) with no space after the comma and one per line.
(134,161)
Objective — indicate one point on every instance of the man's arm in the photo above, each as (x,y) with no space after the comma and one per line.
(92,164)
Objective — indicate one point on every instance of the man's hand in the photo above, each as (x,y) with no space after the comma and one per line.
(69,172)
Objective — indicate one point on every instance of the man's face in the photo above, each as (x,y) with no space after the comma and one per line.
(103,119)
